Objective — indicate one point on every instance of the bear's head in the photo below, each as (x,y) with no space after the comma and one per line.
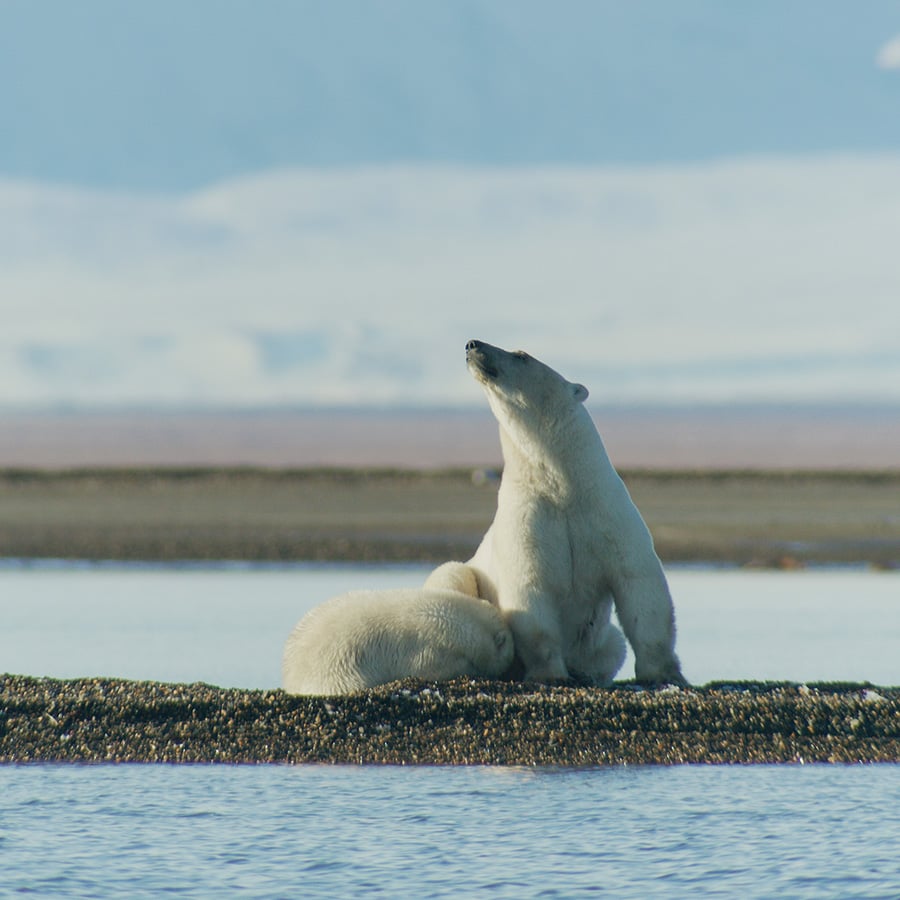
(525,395)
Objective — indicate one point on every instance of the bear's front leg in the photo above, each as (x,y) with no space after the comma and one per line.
(645,612)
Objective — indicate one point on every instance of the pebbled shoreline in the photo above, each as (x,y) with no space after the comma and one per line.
(461,722)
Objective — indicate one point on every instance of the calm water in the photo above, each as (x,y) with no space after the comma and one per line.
(227,625)
(313,831)
(145,831)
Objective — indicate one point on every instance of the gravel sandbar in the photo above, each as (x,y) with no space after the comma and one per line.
(461,722)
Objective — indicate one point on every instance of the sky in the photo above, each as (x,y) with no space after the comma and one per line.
(224,204)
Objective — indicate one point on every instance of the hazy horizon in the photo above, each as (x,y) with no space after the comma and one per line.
(300,204)
(752,437)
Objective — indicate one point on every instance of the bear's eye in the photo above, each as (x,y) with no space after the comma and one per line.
(521,355)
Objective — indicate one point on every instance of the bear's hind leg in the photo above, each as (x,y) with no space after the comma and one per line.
(539,649)
(600,656)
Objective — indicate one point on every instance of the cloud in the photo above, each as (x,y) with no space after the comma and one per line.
(749,279)
(292,350)
(889,55)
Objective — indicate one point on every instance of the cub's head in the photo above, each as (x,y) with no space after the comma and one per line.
(523,392)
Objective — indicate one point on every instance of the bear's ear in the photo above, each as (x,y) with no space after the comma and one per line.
(580,392)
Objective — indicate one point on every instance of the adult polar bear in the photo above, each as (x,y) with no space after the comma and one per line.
(365,638)
(567,542)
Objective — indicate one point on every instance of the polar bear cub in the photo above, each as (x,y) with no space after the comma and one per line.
(365,638)
(567,543)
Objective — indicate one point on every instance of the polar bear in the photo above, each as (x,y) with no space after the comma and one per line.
(567,542)
(365,638)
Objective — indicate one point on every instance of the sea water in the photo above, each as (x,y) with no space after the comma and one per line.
(344,831)
(226,624)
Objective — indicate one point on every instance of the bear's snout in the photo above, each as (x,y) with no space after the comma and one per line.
(478,359)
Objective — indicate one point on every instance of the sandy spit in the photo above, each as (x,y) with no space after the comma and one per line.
(462,722)
(781,519)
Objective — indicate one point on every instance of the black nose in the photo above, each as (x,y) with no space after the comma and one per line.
(473,345)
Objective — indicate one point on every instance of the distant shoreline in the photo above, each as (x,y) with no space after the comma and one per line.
(779,519)
(788,436)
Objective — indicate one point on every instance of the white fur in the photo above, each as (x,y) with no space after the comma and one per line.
(366,638)
(567,542)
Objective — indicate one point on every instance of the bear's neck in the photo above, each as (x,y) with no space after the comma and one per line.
(566,461)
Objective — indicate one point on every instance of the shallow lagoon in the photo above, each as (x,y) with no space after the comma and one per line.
(226,624)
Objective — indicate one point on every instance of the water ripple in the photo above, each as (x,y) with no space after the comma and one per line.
(142,831)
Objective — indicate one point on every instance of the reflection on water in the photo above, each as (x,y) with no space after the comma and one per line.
(226,624)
